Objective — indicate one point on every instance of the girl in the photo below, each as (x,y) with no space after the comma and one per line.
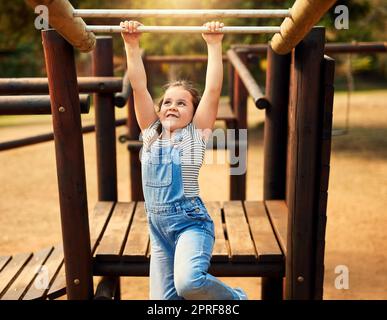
(174,142)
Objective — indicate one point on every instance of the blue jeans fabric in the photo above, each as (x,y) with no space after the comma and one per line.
(181,232)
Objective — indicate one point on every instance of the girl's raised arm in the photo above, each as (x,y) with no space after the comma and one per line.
(207,110)
(143,102)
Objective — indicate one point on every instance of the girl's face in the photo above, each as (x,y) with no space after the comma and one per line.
(177,109)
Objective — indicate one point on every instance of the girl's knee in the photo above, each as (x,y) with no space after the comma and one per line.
(189,285)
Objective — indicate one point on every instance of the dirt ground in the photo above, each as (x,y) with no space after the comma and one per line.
(357,214)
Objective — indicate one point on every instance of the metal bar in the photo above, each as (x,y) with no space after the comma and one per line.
(62,79)
(181,13)
(33,105)
(11,86)
(183,29)
(249,82)
(13,144)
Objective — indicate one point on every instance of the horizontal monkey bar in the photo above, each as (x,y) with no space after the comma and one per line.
(182,29)
(182,13)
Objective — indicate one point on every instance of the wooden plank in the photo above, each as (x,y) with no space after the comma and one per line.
(12,270)
(3,261)
(27,275)
(113,241)
(52,267)
(241,245)
(278,213)
(265,241)
(137,242)
(98,221)
(221,250)
(58,287)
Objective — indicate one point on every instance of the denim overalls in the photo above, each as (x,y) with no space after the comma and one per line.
(181,231)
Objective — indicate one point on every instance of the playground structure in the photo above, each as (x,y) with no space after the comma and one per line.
(280,239)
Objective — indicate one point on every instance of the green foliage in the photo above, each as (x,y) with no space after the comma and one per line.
(363,63)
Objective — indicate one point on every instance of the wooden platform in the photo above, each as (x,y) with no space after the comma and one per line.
(250,241)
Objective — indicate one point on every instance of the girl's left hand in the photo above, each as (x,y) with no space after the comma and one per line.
(214,34)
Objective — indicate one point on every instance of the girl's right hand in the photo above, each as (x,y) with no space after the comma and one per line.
(130,34)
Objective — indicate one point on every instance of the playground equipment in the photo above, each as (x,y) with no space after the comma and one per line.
(253,51)
(280,239)
(298,21)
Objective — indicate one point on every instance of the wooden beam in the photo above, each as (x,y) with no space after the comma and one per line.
(303,153)
(73,29)
(62,79)
(304,15)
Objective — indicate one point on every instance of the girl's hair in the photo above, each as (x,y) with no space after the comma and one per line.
(186,85)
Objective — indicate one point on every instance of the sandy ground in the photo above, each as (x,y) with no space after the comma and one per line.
(357,215)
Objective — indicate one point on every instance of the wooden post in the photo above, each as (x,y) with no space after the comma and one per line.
(325,137)
(239,104)
(277,92)
(274,177)
(136,192)
(230,124)
(62,78)
(303,169)
(105,132)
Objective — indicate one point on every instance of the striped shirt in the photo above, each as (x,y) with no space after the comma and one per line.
(193,146)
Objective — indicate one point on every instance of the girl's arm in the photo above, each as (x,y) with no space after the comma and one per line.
(207,110)
(143,102)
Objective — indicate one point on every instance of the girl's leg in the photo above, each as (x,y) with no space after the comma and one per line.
(161,267)
(192,260)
